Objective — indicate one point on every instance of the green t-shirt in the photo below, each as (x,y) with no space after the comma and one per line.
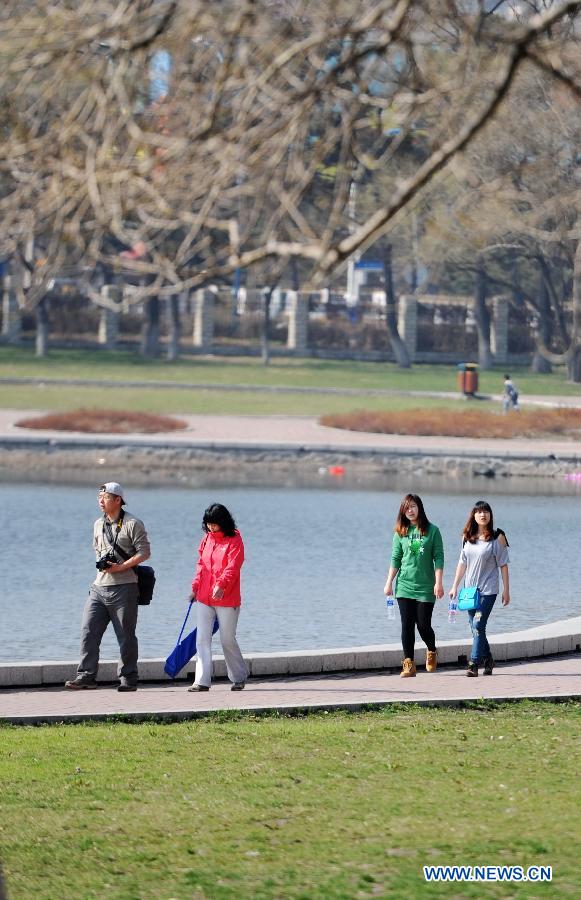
(417,557)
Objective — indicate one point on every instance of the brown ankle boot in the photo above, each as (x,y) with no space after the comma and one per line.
(408,669)
(431,660)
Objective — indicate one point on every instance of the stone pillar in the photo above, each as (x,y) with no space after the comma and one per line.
(298,322)
(407,324)
(11,318)
(499,329)
(276,302)
(203,336)
(109,320)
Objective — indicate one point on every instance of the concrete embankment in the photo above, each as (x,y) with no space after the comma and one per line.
(152,462)
(287,451)
(544,640)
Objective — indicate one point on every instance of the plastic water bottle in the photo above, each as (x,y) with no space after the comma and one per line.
(452,610)
(390,607)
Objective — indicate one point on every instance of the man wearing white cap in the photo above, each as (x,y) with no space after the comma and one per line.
(113,596)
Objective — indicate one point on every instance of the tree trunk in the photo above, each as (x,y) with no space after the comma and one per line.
(173,337)
(574,366)
(294,269)
(150,330)
(540,363)
(516,290)
(482,317)
(557,322)
(42,327)
(400,350)
(574,362)
(572,356)
(264,333)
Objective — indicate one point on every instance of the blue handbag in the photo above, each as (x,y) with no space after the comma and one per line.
(184,650)
(469,599)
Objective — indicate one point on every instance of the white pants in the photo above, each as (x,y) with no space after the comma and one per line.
(227,619)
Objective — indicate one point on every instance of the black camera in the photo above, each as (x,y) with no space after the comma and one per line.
(108,559)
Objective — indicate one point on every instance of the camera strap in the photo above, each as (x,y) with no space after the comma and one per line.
(112,538)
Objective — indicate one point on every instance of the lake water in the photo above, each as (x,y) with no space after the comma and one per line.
(315,565)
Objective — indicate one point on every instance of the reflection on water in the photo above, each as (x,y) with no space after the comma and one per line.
(311,475)
(315,566)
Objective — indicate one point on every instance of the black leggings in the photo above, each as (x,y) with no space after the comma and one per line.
(415,612)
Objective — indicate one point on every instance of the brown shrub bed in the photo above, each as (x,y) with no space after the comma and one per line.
(104,421)
(467,423)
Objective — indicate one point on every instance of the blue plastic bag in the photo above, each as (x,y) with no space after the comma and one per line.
(184,650)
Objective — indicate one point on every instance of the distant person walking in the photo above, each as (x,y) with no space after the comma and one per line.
(484,552)
(417,560)
(216,588)
(510,395)
(113,595)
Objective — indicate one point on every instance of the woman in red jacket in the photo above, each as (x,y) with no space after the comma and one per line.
(216,587)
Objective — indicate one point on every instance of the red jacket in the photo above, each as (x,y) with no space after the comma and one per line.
(219,563)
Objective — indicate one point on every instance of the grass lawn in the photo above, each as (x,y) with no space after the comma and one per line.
(285,372)
(205,402)
(326,806)
(123,366)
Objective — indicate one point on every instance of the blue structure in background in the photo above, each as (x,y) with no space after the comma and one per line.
(159,75)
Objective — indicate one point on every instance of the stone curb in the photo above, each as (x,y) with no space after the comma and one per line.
(566,454)
(562,636)
(286,709)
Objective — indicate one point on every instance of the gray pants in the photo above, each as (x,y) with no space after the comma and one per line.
(116,604)
(228,619)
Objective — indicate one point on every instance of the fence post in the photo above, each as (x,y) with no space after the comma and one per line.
(203,336)
(499,329)
(298,322)
(408,323)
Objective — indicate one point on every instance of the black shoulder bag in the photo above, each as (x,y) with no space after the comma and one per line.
(145,574)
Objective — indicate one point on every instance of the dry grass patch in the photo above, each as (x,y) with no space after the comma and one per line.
(104,421)
(467,423)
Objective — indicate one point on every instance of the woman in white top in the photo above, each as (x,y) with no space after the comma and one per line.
(484,552)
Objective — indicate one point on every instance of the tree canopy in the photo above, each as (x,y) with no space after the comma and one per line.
(180,140)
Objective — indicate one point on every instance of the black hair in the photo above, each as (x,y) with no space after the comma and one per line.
(217,514)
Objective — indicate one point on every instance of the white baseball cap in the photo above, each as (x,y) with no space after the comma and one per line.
(113,487)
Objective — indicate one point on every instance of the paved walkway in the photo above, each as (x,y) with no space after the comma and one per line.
(291,432)
(549,678)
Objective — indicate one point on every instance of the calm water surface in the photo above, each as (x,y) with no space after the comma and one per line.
(315,565)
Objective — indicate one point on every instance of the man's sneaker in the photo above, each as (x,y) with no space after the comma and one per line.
(408,669)
(124,687)
(198,687)
(472,670)
(431,660)
(238,686)
(81,683)
(488,665)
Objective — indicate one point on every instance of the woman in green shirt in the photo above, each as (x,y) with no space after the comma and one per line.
(417,559)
